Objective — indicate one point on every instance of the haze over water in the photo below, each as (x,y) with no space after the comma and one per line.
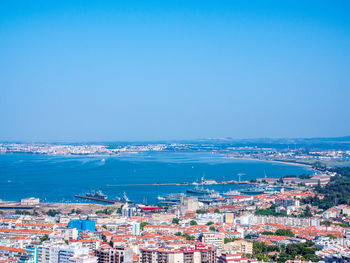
(59,178)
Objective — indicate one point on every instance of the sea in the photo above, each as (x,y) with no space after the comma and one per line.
(59,178)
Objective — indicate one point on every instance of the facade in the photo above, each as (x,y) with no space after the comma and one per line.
(107,255)
(226,257)
(213,238)
(197,254)
(30,201)
(82,225)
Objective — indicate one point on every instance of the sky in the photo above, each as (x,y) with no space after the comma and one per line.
(167,70)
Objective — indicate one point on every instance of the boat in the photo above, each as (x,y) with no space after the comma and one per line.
(199,190)
(95,196)
(253,191)
(170,198)
(231,193)
(124,199)
(210,198)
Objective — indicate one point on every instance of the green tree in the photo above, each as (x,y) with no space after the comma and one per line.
(284,232)
(143,224)
(176,221)
(212,228)
(52,212)
(44,238)
(193,223)
(210,223)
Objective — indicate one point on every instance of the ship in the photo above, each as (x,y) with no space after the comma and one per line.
(170,198)
(253,191)
(95,196)
(123,199)
(231,193)
(200,190)
(210,198)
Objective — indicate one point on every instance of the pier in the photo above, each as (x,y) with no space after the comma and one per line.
(180,184)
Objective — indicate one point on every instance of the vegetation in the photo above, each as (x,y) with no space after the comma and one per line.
(304,251)
(76,211)
(176,221)
(268,233)
(187,236)
(22,212)
(306,212)
(143,224)
(279,232)
(304,176)
(193,223)
(52,212)
(212,228)
(336,192)
(331,236)
(217,211)
(201,211)
(44,238)
(106,211)
(326,223)
(268,212)
(228,240)
(210,223)
(284,232)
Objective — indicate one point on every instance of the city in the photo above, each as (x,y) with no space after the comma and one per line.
(283,226)
(179,131)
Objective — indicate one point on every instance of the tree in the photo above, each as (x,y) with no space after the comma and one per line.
(143,224)
(210,223)
(217,211)
(193,223)
(326,223)
(212,228)
(331,236)
(284,232)
(267,233)
(52,212)
(176,221)
(44,238)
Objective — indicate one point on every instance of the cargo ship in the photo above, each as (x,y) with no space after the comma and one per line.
(96,196)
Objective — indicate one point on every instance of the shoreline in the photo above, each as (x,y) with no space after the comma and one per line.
(272,161)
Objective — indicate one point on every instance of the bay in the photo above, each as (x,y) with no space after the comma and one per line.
(59,178)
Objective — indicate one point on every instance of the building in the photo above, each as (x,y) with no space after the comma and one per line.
(213,238)
(229,218)
(285,202)
(128,210)
(135,228)
(188,203)
(83,259)
(239,246)
(107,255)
(30,201)
(82,225)
(228,257)
(189,254)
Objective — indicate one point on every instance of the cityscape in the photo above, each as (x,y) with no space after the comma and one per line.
(175,131)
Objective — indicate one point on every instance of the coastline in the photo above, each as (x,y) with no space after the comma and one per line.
(272,161)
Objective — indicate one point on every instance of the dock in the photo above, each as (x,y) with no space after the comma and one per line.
(179,184)
(95,199)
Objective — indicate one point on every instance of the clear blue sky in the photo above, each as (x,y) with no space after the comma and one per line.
(147,70)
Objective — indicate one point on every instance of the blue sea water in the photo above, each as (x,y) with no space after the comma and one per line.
(59,178)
